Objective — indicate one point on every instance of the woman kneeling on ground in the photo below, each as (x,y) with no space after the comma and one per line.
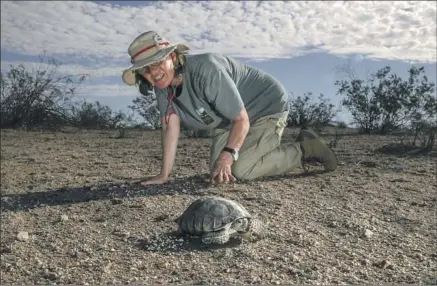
(244,109)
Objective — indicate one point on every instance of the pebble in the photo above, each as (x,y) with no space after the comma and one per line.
(23,236)
(368,233)
(64,218)
(162,265)
(384,264)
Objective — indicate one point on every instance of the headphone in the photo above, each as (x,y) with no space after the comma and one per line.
(144,85)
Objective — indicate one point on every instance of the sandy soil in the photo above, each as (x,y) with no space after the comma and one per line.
(68,218)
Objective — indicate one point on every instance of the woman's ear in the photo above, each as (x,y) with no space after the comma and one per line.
(173,57)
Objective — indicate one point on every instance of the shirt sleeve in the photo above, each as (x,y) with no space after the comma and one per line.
(221,91)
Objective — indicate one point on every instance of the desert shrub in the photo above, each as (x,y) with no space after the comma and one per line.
(42,99)
(385,102)
(424,124)
(147,108)
(306,111)
(424,134)
(97,116)
(38,98)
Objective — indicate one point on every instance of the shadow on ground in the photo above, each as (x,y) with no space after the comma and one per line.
(175,242)
(193,185)
(108,191)
(405,150)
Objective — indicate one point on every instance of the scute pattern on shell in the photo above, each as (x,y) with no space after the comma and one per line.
(210,214)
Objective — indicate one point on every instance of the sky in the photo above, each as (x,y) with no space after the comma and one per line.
(301,43)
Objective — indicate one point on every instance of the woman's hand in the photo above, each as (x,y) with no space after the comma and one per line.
(160,179)
(222,169)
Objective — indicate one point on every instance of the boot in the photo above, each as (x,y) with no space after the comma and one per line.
(313,149)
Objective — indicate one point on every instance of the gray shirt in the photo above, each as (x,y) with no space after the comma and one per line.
(216,87)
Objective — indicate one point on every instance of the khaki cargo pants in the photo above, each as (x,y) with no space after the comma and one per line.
(262,153)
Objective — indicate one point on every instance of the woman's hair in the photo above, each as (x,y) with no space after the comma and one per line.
(179,63)
(144,85)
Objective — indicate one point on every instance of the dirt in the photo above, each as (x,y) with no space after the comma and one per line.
(69,217)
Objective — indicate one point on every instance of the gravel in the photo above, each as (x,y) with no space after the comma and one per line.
(70,217)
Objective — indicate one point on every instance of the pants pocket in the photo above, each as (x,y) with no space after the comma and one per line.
(280,122)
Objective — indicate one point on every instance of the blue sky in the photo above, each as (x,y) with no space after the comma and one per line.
(300,43)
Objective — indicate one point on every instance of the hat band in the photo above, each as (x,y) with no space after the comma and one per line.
(148,48)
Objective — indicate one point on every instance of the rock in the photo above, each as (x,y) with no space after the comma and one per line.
(162,265)
(368,233)
(63,218)
(332,224)
(384,264)
(369,164)
(400,180)
(116,201)
(228,253)
(23,236)
(294,258)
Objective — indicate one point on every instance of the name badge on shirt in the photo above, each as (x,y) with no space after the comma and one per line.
(206,118)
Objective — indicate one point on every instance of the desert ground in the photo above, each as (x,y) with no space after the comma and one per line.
(69,215)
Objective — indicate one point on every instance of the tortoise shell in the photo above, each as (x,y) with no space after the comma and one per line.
(210,214)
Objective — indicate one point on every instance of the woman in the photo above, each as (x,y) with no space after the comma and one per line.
(244,108)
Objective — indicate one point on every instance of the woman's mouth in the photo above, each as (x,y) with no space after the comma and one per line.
(158,77)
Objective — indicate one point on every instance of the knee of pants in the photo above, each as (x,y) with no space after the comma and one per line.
(241,172)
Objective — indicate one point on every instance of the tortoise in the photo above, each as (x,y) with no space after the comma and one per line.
(216,220)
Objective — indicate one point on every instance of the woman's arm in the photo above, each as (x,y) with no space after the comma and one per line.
(222,170)
(169,138)
(169,141)
(239,128)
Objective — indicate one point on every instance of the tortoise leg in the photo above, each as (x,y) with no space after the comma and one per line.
(257,227)
(217,237)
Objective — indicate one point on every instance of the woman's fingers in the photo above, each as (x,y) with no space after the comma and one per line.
(222,174)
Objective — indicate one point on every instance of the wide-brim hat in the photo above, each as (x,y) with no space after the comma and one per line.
(146,49)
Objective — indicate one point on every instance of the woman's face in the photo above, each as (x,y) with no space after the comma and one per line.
(160,74)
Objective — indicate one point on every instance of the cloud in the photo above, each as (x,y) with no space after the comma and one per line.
(257,30)
(66,69)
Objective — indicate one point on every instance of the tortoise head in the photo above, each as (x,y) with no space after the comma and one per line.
(258,228)
(241,225)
